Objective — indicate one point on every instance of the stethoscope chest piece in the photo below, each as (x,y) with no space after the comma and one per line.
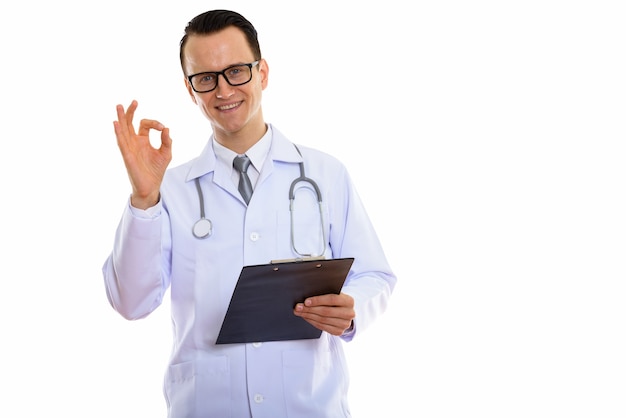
(202,228)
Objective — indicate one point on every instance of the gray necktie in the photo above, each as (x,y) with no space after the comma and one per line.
(241,164)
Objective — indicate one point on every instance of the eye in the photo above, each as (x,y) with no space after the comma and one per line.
(239,72)
(235,71)
(206,78)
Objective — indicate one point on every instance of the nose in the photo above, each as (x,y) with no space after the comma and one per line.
(223,89)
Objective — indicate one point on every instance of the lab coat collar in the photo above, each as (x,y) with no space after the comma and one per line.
(281,150)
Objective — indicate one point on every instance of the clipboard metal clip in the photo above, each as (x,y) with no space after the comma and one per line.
(297,259)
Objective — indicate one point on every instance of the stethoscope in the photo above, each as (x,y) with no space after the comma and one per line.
(203,228)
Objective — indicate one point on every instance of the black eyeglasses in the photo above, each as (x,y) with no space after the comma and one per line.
(235,75)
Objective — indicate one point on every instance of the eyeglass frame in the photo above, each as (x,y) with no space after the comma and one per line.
(223,74)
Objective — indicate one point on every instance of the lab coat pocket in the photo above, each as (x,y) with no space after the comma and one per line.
(319,386)
(199,388)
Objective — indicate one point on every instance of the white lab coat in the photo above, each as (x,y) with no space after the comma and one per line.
(156,251)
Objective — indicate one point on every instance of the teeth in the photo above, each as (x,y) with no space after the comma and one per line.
(230,106)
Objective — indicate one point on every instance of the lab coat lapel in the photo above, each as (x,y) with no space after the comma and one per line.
(281,150)
(207,163)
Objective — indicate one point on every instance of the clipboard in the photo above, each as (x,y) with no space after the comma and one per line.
(261,306)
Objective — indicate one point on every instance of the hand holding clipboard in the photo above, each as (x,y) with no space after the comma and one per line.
(261,307)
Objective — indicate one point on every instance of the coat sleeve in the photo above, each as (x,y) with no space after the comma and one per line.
(371,280)
(136,272)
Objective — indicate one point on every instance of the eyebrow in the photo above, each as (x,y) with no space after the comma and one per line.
(228,66)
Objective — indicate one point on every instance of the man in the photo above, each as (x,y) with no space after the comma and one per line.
(157,247)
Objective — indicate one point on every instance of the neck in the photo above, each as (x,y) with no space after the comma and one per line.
(240,141)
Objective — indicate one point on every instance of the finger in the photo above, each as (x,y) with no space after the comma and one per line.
(323,313)
(121,118)
(330,300)
(166,141)
(121,133)
(334,326)
(330,312)
(124,126)
(130,112)
(146,124)
(117,129)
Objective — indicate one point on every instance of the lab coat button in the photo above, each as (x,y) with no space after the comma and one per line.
(256,345)
(258,398)
(254,236)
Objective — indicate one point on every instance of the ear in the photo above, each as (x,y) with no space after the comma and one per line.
(264,71)
(190,91)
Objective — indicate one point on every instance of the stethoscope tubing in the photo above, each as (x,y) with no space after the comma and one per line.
(203,228)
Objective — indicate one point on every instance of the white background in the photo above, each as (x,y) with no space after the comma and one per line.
(506,227)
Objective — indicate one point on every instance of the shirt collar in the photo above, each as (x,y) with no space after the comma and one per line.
(257,153)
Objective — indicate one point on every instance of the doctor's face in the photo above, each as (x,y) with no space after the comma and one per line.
(232,110)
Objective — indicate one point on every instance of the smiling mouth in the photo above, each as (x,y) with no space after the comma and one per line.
(229,106)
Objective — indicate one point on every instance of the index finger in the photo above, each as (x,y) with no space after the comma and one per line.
(146,124)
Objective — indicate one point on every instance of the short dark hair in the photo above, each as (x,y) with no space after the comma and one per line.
(216,20)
